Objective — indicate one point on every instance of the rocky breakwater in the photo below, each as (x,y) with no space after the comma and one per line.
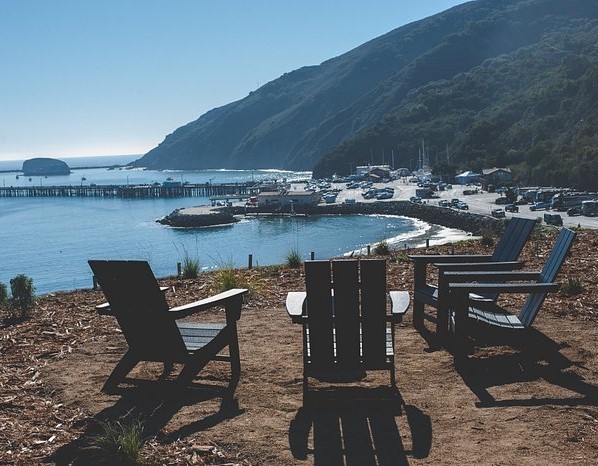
(442,216)
(198,217)
(451,218)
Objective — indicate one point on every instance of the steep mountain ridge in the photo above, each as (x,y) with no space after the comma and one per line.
(467,80)
(267,126)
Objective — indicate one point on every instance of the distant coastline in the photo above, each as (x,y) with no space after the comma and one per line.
(76,163)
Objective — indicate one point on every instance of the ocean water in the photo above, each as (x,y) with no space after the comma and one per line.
(51,239)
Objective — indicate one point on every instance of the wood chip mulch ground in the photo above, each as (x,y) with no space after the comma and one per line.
(53,364)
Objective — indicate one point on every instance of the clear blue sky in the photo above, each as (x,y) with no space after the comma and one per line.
(115,76)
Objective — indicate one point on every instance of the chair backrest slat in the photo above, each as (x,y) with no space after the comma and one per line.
(548,274)
(373,310)
(345,277)
(512,241)
(139,306)
(318,282)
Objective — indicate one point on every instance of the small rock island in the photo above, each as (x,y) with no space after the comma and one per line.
(42,166)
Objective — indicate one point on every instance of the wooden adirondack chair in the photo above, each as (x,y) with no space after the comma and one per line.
(465,313)
(504,257)
(151,328)
(345,323)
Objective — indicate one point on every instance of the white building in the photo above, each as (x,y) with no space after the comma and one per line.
(285,198)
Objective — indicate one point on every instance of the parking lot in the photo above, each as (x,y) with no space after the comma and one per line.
(480,203)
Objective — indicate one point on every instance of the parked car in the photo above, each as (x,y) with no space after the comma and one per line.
(443,203)
(540,206)
(463,206)
(417,200)
(511,208)
(574,211)
(501,200)
(498,213)
(384,195)
(553,219)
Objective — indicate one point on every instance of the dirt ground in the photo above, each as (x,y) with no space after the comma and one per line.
(504,405)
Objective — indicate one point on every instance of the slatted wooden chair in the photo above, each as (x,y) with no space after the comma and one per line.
(346,327)
(152,331)
(504,257)
(465,313)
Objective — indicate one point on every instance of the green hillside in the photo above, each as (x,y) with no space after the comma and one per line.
(533,109)
(486,83)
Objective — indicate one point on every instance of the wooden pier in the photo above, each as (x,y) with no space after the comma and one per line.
(132,191)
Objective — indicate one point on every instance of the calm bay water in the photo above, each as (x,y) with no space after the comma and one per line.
(51,239)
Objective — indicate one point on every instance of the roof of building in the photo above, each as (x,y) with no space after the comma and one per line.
(287,193)
(468,173)
(490,171)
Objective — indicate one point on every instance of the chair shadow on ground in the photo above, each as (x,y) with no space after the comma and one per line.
(434,342)
(533,356)
(358,427)
(153,404)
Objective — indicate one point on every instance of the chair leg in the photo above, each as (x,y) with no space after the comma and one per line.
(124,366)
(418,314)
(235,362)
(192,368)
(442,322)
(168,366)
(305,388)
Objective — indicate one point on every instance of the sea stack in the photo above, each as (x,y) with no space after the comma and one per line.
(41,166)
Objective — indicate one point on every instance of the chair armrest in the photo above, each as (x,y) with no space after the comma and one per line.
(492,276)
(449,258)
(294,305)
(399,303)
(105,310)
(505,287)
(508,265)
(420,264)
(226,298)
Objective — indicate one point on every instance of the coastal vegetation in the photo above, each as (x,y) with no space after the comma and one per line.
(487,83)
(572,287)
(227,277)
(190,267)
(293,258)
(116,442)
(382,248)
(22,298)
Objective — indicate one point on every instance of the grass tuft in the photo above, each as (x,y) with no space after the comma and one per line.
(228,277)
(382,248)
(190,267)
(487,238)
(572,287)
(117,442)
(293,259)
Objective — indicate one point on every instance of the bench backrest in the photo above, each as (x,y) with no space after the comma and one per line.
(139,306)
(548,274)
(346,312)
